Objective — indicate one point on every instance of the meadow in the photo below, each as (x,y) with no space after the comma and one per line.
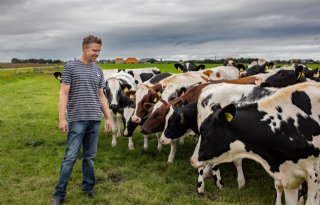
(32,148)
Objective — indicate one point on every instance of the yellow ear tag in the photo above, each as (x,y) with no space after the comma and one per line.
(159,94)
(131,96)
(182,93)
(125,89)
(118,114)
(229,117)
(155,99)
(315,75)
(241,70)
(300,76)
(59,78)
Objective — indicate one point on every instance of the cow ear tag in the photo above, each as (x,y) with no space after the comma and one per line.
(300,76)
(155,100)
(315,75)
(241,70)
(131,96)
(118,114)
(125,89)
(159,94)
(229,117)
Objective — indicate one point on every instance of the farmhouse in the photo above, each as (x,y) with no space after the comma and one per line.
(132,60)
(119,61)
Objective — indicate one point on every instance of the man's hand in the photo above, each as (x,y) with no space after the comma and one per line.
(108,126)
(63,125)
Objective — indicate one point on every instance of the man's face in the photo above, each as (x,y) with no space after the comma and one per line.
(91,52)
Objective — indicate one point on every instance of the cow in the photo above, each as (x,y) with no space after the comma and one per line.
(189,67)
(130,126)
(256,67)
(151,94)
(116,86)
(283,136)
(141,75)
(281,77)
(181,120)
(240,66)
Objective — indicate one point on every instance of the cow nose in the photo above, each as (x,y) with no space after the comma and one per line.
(135,119)
(258,81)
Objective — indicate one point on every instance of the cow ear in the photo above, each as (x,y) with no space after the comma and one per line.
(227,113)
(125,87)
(299,72)
(57,75)
(178,66)
(201,67)
(131,94)
(181,91)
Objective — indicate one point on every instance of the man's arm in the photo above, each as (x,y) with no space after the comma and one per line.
(105,110)
(63,99)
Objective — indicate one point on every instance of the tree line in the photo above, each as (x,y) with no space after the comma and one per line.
(36,61)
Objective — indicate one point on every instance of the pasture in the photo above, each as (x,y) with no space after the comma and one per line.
(32,148)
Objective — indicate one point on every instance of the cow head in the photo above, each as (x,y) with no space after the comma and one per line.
(57,75)
(257,67)
(115,93)
(145,96)
(215,135)
(282,78)
(188,67)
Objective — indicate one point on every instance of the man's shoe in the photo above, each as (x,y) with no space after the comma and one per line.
(90,193)
(57,200)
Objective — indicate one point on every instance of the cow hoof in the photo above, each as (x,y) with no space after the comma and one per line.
(131,147)
(145,148)
(241,185)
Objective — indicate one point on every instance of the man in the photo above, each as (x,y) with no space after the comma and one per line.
(82,96)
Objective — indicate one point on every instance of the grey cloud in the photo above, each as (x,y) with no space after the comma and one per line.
(162,29)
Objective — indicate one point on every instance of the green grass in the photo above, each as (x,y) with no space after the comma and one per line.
(32,148)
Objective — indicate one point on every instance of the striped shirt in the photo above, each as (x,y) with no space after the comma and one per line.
(85,80)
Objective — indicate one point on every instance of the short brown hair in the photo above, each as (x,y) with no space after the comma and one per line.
(91,39)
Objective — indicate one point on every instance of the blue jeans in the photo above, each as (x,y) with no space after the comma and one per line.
(85,133)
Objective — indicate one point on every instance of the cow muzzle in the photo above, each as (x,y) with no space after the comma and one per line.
(136,119)
(258,81)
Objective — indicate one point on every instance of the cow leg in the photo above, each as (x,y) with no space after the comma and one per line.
(159,147)
(313,182)
(118,121)
(114,125)
(130,143)
(279,190)
(217,176)
(291,196)
(202,173)
(181,140)
(240,176)
(173,149)
(145,142)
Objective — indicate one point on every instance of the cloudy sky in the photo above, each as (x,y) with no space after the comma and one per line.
(166,29)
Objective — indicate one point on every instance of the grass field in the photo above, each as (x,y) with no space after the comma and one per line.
(32,148)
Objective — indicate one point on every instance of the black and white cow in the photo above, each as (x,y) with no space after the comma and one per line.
(141,75)
(116,86)
(283,136)
(281,77)
(189,67)
(182,120)
(256,67)
(128,112)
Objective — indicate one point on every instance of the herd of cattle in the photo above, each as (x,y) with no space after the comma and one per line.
(267,114)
